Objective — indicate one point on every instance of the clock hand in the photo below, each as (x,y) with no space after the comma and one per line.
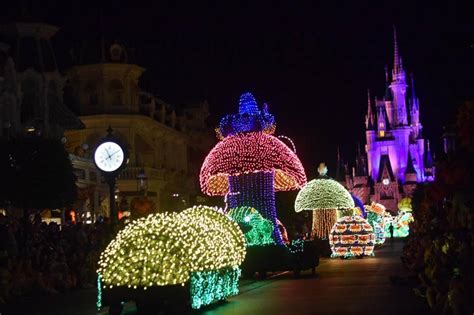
(114,153)
(108,154)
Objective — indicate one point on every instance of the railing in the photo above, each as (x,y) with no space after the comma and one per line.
(134,172)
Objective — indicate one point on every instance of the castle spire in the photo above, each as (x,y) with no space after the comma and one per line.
(412,82)
(429,165)
(397,61)
(387,96)
(397,73)
(398,86)
(369,118)
(339,170)
(428,156)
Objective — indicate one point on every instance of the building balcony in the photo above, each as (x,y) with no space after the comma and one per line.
(132,173)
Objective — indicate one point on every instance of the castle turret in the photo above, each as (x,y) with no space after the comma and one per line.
(369,117)
(339,169)
(382,122)
(429,165)
(414,111)
(388,94)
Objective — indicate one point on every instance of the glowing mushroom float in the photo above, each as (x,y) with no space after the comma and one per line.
(325,197)
(249,164)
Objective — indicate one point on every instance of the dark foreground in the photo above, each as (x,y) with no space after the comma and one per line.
(358,286)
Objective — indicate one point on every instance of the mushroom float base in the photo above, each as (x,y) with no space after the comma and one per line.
(323,221)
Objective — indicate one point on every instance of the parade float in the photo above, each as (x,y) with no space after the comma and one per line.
(400,223)
(247,166)
(325,197)
(189,258)
(263,255)
(376,216)
(359,206)
(257,230)
(352,236)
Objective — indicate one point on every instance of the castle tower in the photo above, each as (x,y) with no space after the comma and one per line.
(429,168)
(414,111)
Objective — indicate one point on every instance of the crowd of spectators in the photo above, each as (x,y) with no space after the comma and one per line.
(36,257)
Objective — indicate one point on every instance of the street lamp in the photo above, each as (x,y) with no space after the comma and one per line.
(142,182)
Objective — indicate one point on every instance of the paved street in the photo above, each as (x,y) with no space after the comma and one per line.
(357,286)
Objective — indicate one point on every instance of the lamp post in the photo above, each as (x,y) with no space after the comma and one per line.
(111,157)
(142,182)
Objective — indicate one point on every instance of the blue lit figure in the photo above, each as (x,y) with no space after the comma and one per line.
(248,119)
(248,104)
(256,190)
(358,203)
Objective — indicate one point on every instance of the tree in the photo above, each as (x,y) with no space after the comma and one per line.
(36,174)
(440,245)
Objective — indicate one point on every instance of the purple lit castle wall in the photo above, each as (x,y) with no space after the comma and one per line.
(396,151)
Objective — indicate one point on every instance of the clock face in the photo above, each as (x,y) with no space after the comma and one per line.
(108,156)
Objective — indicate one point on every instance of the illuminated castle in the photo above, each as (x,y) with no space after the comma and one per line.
(397,157)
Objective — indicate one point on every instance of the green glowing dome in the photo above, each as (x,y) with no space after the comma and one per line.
(322,194)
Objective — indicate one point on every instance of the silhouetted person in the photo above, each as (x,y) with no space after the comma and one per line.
(390,228)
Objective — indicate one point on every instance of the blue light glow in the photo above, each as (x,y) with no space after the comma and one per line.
(248,104)
(248,119)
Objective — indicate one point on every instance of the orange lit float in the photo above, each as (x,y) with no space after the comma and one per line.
(352,236)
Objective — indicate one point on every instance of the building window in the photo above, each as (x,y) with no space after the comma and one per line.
(80,173)
(93,177)
(117,92)
(381,129)
(91,91)
(93,99)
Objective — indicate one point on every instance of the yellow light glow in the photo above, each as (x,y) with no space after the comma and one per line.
(164,248)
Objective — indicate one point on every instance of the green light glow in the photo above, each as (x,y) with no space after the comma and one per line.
(400,224)
(258,230)
(325,197)
(207,287)
(323,193)
(405,205)
(377,223)
(296,246)
(99,293)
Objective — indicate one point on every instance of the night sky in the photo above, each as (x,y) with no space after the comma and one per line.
(311,62)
